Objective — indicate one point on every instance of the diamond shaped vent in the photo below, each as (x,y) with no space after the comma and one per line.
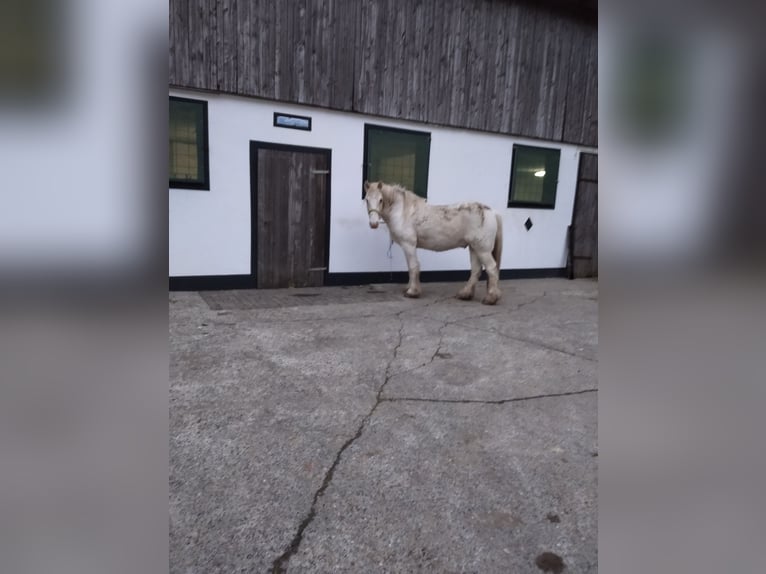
(528,224)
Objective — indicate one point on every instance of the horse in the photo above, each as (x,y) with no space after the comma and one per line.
(413,223)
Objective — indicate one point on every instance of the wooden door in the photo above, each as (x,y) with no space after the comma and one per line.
(583,233)
(292,205)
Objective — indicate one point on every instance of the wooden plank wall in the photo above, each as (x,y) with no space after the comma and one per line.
(584,233)
(503,66)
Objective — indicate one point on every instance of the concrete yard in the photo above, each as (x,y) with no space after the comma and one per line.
(349,429)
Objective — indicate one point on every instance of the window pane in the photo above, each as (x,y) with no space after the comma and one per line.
(397,168)
(187,142)
(535,175)
(183,161)
(398,157)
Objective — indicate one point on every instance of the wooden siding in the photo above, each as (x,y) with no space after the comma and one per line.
(494,65)
(583,237)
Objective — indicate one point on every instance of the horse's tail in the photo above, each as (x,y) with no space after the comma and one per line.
(497,250)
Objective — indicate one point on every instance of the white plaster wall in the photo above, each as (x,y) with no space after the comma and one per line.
(210,230)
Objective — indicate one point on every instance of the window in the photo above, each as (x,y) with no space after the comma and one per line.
(188,153)
(397,156)
(534,177)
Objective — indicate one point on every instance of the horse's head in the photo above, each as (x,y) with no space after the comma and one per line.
(373,196)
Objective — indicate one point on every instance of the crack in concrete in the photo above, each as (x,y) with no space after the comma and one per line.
(462,323)
(279,565)
(496,312)
(431,360)
(420,366)
(438,345)
(504,311)
(528,341)
(488,402)
(459,322)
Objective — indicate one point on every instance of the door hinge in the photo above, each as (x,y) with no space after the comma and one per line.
(320,171)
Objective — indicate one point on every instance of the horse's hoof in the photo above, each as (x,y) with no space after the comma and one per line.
(412,294)
(464,295)
(490,299)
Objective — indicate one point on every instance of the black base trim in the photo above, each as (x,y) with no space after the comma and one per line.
(537,273)
(221,282)
(211,282)
(437,276)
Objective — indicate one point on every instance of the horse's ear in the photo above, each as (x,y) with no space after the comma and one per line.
(380,185)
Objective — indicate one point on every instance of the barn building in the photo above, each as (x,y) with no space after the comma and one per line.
(280,110)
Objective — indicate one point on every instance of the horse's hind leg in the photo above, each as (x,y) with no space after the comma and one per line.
(493,276)
(467,291)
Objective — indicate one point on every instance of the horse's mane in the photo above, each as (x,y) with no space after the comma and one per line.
(409,196)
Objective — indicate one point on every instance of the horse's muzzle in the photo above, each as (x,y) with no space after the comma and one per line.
(374,225)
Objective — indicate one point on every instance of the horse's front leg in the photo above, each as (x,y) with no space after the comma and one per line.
(411,253)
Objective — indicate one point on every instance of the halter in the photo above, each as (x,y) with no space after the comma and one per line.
(369,211)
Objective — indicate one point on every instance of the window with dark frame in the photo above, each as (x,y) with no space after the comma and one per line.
(188,146)
(534,177)
(397,156)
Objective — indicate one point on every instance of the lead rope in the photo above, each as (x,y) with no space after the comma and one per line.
(390,262)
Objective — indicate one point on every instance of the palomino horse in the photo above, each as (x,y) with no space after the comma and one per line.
(414,223)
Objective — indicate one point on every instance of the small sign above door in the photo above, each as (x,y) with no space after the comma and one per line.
(292,122)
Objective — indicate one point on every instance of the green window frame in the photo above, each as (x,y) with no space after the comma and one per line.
(393,155)
(534,177)
(188,152)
